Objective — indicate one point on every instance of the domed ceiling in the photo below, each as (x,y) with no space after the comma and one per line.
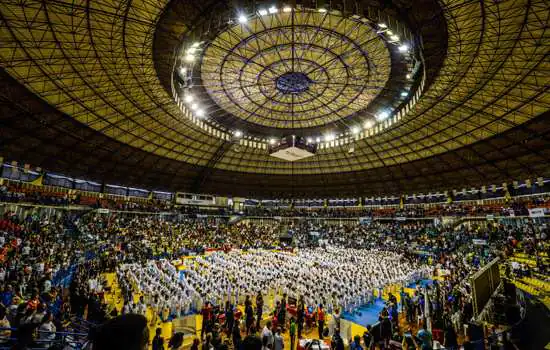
(400,96)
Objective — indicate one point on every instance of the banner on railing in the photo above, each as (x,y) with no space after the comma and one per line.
(536,212)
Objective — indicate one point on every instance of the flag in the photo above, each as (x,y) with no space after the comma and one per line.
(39,181)
(150,196)
(26,168)
(325,203)
(528,183)
(401,202)
(449,198)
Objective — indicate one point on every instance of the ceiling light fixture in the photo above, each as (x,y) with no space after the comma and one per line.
(318,139)
(188,98)
(382,116)
(238,133)
(273,10)
(369,124)
(404,94)
(242,19)
(309,140)
(287,9)
(272,141)
(329,137)
(322,10)
(355,130)
(189,58)
(200,113)
(194,106)
(394,37)
(409,76)
(404,48)
(262,12)
(382,25)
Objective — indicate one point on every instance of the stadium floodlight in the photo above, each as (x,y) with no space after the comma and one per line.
(189,58)
(188,98)
(273,10)
(287,9)
(194,106)
(242,19)
(383,115)
(262,12)
(238,133)
(405,93)
(355,130)
(322,10)
(309,140)
(329,137)
(272,141)
(199,112)
(383,25)
(404,48)
(394,37)
(369,124)
(318,139)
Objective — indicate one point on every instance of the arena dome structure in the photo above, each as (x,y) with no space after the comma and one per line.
(187,95)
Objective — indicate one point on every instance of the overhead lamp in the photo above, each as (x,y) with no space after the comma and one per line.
(272,141)
(382,25)
(191,50)
(189,58)
(238,133)
(309,140)
(382,116)
(200,112)
(188,98)
(369,124)
(394,37)
(273,9)
(389,32)
(405,93)
(196,44)
(329,137)
(183,71)
(194,106)
(408,76)
(287,9)
(355,130)
(318,139)
(404,48)
(242,19)
(262,12)
(322,10)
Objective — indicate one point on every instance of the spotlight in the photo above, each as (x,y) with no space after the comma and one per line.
(322,10)
(404,48)
(262,12)
(382,116)
(369,124)
(194,106)
(183,72)
(382,25)
(242,19)
(188,98)
(355,130)
(309,140)
(318,139)
(191,50)
(409,76)
(287,9)
(404,94)
(238,133)
(272,141)
(394,37)
(196,44)
(273,9)
(189,58)
(200,113)
(329,137)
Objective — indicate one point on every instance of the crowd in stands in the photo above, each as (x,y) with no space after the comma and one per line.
(51,272)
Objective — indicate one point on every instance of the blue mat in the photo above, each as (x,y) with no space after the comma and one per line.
(365,315)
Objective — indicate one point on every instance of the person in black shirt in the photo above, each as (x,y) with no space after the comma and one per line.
(282,313)
(252,341)
(367,338)
(249,316)
(236,335)
(300,316)
(229,317)
(158,341)
(259,308)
